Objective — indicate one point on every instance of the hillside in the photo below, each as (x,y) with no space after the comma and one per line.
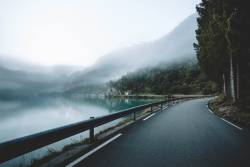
(182,77)
(20,79)
(177,44)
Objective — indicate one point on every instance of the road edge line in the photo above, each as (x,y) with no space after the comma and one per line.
(231,123)
(149,116)
(210,111)
(164,108)
(92,151)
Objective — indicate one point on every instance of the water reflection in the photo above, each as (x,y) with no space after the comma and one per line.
(21,118)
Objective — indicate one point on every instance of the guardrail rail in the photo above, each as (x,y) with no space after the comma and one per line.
(14,148)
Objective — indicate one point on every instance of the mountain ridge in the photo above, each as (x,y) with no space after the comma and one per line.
(22,78)
(120,62)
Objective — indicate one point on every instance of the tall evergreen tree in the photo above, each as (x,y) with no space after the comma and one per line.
(223,44)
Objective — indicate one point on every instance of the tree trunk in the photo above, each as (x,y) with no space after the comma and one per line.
(238,80)
(232,84)
(224,85)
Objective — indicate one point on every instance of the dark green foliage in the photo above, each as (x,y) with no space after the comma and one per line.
(180,78)
(223,35)
(211,45)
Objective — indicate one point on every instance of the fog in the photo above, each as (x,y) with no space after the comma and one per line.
(57,47)
(80,32)
(173,46)
(25,80)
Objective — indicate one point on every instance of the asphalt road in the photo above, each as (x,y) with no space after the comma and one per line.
(185,135)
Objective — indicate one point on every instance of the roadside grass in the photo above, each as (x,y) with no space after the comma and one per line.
(50,155)
(237,112)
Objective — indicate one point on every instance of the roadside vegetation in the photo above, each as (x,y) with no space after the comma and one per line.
(223,52)
(224,107)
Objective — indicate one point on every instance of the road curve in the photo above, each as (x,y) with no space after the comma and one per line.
(185,135)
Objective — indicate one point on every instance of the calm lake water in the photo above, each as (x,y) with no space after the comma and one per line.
(25,117)
(21,118)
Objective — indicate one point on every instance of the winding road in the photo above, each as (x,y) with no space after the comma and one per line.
(184,135)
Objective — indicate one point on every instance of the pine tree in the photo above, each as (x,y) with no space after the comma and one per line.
(223,49)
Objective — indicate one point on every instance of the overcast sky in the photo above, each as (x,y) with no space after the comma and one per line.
(78,32)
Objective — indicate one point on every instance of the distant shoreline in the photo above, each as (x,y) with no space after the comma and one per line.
(154,96)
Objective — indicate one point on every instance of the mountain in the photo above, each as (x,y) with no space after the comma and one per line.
(20,80)
(23,80)
(180,77)
(177,44)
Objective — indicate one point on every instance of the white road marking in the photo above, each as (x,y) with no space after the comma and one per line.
(165,108)
(211,111)
(92,151)
(231,124)
(148,117)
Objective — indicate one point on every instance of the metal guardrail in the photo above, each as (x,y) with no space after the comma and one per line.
(23,145)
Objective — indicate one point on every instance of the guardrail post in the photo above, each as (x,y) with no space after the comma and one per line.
(91,133)
(161,106)
(151,108)
(134,116)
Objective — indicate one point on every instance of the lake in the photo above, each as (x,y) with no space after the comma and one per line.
(25,117)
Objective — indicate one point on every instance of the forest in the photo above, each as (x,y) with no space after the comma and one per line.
(183,77)
(223,47)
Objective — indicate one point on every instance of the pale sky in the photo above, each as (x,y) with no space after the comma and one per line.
(78,32)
